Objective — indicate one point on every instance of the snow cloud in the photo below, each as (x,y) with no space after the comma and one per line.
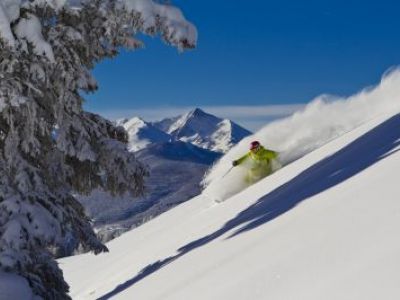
(324,119)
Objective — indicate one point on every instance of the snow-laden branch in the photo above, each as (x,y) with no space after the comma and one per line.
(154,18)
(176,29)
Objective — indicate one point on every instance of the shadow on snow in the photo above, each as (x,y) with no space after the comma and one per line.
(357,156)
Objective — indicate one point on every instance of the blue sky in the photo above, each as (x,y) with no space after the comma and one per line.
(251,55)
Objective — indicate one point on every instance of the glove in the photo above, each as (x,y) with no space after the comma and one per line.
(235,163)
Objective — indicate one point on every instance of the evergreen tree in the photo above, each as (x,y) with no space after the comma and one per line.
(50,149)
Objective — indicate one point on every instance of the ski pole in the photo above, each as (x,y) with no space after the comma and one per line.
(227,172)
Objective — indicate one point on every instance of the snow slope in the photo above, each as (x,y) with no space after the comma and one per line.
(325,226)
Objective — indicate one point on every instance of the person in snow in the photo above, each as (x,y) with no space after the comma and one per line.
(261,161)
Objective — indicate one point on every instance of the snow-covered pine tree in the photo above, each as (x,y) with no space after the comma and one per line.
(50,149)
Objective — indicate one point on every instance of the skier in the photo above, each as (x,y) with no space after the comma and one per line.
(261,160)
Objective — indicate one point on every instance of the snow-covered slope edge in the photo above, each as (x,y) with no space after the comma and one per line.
(323,227)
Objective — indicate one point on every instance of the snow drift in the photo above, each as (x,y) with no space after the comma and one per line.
(324,119)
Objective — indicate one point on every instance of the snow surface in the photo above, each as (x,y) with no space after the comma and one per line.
(9,12)
(30,29)
(324,227)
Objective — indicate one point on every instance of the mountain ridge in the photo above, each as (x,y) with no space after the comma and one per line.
(196,127)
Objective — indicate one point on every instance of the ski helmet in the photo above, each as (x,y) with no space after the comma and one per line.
(254,145)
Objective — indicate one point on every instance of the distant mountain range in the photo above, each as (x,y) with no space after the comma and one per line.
(178,151)
(196,127)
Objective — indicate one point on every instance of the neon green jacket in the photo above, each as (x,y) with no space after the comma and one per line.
(261,157)
(260,164)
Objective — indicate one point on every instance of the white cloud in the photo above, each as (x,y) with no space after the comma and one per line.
(251,117)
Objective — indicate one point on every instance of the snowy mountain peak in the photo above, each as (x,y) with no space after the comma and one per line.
(131,124)
(142,133)
(196,127)
(135,123)
(198,113)
(203,130)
